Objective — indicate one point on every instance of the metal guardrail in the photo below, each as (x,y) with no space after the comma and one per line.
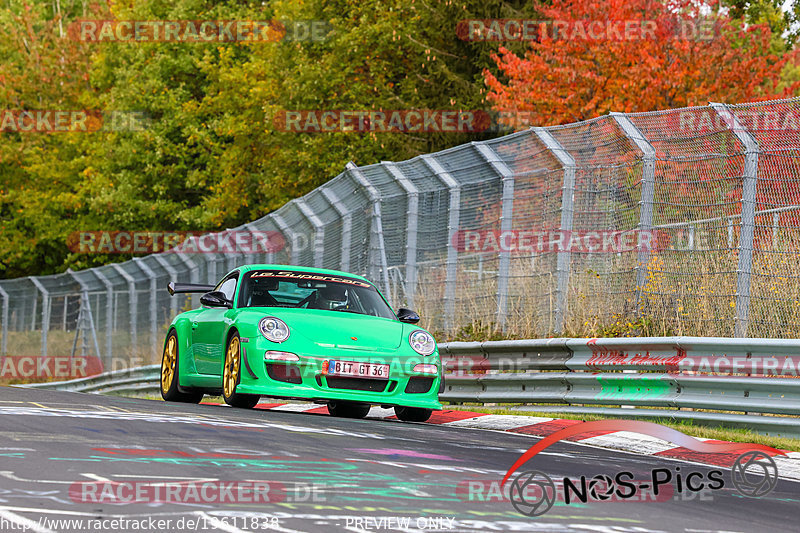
(737,382)
(747,379)
(144,379)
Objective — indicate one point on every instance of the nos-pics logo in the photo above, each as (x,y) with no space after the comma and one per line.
(753,474)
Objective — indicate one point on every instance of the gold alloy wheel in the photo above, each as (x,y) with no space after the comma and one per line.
(230,376)
(168,363)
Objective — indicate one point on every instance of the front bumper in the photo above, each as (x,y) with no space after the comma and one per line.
(305,378)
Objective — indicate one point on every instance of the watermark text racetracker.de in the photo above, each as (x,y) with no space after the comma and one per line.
(196,492)
(184,242)
(501,30)
(194,522)
(705,121)
(198,31)
(546,241)
(382,121)
(71,120)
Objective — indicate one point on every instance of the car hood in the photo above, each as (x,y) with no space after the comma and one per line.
(349,331)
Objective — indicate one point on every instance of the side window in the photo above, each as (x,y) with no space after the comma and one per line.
(228,287)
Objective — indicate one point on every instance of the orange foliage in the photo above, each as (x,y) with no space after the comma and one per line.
(675,54)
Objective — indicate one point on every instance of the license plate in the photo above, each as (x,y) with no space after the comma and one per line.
(353,369)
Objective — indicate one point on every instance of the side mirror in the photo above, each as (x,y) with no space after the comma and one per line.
(215,299)
(407,315)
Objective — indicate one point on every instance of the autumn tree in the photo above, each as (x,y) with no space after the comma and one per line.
(40,172)
(209,156)
(677,54)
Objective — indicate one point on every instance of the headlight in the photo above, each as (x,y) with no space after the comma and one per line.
(421,342)
(273,329)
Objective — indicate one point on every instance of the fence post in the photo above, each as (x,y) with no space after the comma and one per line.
(290,236)
(377,246)
(109,315)
(319,231)
(153,300)
(4,322)
(749,185)
(452,227)
(132,300)
(567,211)
(648,191)
(254,231)
(212,276)
(194,277)
(84,300)
(45,312)
(412,229)
(173,275)
(347,224)
(507,176)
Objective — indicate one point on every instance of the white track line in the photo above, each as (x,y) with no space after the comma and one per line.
(634,442)
(294,407)
(501,422)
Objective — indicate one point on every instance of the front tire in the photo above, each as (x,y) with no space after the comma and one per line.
(413,414)
(169,374)
(232,374)
(348,409)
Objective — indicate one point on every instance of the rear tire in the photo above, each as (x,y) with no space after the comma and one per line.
(232,374)
(348,409)
(169,374)
(413,414)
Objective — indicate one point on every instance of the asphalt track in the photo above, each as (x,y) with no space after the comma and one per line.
(326,474)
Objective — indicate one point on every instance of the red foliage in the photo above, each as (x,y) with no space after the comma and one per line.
(675,55)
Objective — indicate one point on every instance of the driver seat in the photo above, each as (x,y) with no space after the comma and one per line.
(330,297)
(262,299)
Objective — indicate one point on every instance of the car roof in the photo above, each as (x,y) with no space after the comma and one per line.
(296,268)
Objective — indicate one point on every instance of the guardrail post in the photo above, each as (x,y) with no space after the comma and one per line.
(749,185)
(646,202)
(45,312)
(377,246)
(567,209)
(153,300)
(291,237)
(453,213)
(412,225)
(4,323)
(132,300)
(505,173)
(319,231)
(109,314)
(347,224)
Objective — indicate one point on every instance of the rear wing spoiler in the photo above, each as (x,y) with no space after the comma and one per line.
(175,288)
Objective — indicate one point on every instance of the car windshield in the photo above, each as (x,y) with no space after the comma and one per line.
(310,290)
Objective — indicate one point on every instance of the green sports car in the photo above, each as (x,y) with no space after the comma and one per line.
(301,333)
